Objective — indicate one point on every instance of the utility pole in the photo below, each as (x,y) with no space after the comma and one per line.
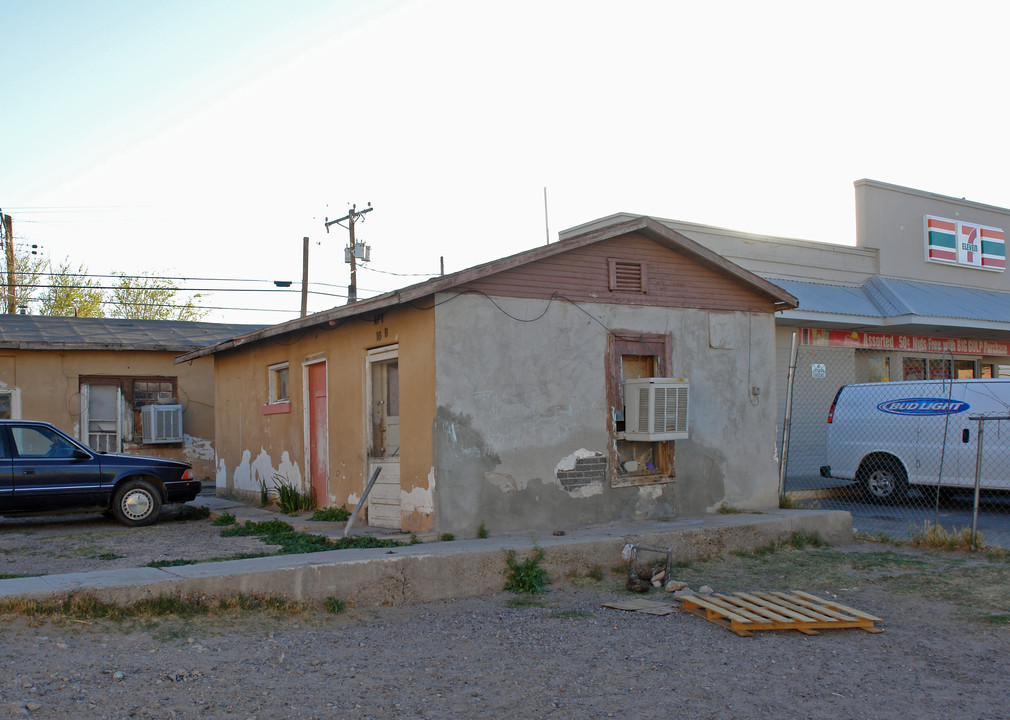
(350,254)
(8,223)
(305,275)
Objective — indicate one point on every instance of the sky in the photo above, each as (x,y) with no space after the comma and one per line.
(203,139)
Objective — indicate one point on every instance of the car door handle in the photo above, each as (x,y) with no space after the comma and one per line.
(28,471)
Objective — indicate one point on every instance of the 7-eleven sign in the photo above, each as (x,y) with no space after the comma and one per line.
(969,244)
(953,242)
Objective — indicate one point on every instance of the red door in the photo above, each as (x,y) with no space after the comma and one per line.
(318,435)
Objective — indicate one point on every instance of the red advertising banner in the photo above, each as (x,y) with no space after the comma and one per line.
(902,343)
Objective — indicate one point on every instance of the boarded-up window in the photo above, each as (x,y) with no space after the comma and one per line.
(628,276)
(636,355)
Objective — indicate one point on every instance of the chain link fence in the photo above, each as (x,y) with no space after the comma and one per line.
(901,456)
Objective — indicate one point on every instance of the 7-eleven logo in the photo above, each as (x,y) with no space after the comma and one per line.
(969,245)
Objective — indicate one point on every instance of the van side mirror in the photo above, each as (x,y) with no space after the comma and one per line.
(965,434)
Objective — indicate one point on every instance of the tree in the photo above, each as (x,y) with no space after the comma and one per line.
(28,268)
(71,293)
(152,298)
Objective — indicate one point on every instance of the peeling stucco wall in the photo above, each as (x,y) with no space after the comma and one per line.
(254,440)
(249,474)
(522,429)
(46,385)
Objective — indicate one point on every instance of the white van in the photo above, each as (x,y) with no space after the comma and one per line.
(895,435)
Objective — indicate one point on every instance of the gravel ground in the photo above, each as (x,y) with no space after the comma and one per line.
(86,542)
(563,656)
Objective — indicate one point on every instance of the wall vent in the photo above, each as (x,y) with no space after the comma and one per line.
(161,423)
(628,276)
(655,409)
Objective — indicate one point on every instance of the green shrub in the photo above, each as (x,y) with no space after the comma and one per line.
(526,576)
(446,537)
(278,532)
(224,519)
(188,512)
(339,514)
(334,605)
(482,531)
(290,499)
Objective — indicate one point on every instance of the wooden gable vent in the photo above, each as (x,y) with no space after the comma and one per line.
(627,276)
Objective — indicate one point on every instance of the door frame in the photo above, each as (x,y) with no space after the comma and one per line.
(85,404)
(307,419)
(373,356)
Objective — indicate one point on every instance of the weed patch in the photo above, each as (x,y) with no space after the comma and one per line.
(571,614)
(188,512)
(334,605)
(933,535)
(278,532)
(182,561)
(339,514)
(83,606)
(224,519)
(526,576)
(290,499)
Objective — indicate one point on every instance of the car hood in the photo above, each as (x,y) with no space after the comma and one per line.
(118,459)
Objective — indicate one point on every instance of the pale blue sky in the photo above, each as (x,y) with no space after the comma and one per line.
(204,139)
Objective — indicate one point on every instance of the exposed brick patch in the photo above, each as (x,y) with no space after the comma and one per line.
(587,471)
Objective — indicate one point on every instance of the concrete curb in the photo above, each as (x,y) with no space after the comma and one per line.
(434,571)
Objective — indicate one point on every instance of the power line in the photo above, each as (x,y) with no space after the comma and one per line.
(162,289)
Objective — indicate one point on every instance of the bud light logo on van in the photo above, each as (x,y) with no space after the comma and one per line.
(923,406)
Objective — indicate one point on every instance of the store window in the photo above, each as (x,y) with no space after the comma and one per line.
(917,368)
(878,369)
(964,369)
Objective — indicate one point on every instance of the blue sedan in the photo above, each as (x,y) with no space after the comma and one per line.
(43,469)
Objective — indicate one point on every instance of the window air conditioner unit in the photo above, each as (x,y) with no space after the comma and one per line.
(655,409)
(161,423)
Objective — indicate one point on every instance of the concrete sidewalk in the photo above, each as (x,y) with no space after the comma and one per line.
(431,570)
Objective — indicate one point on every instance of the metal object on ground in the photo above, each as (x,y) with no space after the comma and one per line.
(746,613)
(361,502)
(635,549)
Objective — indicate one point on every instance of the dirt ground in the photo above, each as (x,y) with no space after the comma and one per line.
(943,652)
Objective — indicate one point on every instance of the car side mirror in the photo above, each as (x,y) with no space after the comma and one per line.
(81,455)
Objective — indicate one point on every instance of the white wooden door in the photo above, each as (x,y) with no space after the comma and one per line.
(384,437)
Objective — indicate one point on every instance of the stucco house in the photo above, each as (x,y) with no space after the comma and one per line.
(497,395)
(94,377)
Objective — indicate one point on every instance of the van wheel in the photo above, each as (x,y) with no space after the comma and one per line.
(885,481)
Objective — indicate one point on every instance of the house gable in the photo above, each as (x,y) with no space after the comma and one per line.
(627,270)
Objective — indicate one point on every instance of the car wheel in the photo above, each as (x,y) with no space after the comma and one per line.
(885,481)
(136,502)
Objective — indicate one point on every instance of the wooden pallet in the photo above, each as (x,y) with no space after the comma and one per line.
(746,613)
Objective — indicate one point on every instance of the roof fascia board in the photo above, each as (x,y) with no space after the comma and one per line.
(116,347)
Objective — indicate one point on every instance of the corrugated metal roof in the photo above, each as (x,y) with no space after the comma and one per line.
(834,299)
(910,297)
(43,332)
(885,297)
